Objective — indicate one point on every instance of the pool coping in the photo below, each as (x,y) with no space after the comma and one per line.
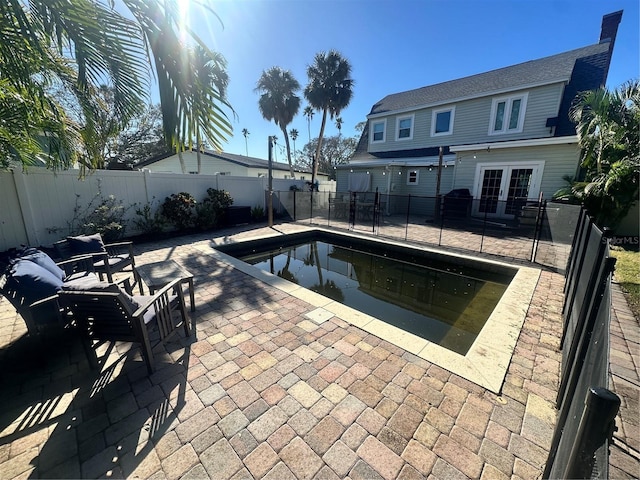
(487,360)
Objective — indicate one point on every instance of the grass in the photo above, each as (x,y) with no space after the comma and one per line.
(627,274)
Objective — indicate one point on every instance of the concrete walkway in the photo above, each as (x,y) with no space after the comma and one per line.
(264,391)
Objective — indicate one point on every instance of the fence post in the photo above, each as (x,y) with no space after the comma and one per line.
(311,205)
(294,206)
(26,208)
(596,427)
(406,225)
(537,231)
(484,224)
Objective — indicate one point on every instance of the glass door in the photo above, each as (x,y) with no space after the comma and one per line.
(503,190)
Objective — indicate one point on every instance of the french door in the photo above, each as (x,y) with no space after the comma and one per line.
(502,189)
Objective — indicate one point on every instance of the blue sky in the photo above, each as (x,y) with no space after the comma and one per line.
(396,45)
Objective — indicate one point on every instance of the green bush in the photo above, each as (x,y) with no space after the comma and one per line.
(148,220)
(179,210)
(210,212)
(107,219)
(103,215)
(257,213)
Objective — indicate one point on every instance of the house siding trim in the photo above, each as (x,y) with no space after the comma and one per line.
(535,142)
(502,91)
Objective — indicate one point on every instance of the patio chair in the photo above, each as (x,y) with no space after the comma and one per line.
(108,258)
(105,313)
(31,282)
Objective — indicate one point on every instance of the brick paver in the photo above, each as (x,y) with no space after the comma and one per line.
(265,392)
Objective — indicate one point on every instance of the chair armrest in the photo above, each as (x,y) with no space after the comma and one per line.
(44,301)
(124,283)
(78,263)
(173,285)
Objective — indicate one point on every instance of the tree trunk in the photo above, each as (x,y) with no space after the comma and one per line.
(198,153)
(316,159)
(182,165)
(286,142)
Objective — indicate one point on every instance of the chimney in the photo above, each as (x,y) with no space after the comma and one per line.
(609,28)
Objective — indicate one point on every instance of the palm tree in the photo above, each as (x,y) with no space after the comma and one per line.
(608,128)
(246,133)
(330,90)
(339,122)
(209,72)
(294,136)
(308,112)
(78,43)
(278,101)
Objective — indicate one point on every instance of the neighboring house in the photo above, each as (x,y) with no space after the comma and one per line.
(223,163)
(505,134)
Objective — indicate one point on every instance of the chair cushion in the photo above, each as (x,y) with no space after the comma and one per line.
(113,261)
(33,281)
(150,315)
(83,244)
(36,256)
(91,283)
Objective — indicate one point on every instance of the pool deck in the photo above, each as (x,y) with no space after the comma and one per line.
(272,388)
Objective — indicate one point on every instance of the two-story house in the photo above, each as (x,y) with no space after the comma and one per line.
(504,134)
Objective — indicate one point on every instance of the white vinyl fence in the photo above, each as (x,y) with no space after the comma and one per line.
(37,207)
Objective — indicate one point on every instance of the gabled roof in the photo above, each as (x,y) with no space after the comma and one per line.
(250,162)
(556,68)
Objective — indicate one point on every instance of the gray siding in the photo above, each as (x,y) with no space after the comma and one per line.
(560,160)
(471,122)
(426,180)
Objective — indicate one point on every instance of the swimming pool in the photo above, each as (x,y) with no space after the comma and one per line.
(437,300)
(482,357)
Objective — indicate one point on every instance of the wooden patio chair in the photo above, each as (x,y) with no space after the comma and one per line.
(32,291)
(106,313)
(109,258)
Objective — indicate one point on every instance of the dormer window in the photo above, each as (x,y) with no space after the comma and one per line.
(378,131)
(442,121)
(507,114)
(405,128)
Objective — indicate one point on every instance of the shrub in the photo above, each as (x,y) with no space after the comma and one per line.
(257,213)
(210,212)
(149,221)
(103,215)
(178,210)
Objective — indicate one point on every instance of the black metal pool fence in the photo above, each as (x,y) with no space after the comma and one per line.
(536,231)
(586,409)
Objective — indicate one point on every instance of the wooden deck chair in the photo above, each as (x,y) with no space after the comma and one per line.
(106,313)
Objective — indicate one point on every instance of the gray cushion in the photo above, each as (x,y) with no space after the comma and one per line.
(91,283)
(150,314)
(83,244)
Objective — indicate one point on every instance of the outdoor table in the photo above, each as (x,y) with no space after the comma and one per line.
(156,275)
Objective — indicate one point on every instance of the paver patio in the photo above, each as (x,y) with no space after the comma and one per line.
(264,391)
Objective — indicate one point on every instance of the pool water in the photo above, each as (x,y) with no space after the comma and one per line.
(441,301)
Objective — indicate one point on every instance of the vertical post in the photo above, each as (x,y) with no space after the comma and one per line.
(270,199)
(537,231)
(596,427)
(406,226)
(438,179)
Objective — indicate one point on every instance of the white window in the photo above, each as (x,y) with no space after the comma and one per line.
(442,121)
(412,177)
(378,129)
(405,128)
(507,114)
